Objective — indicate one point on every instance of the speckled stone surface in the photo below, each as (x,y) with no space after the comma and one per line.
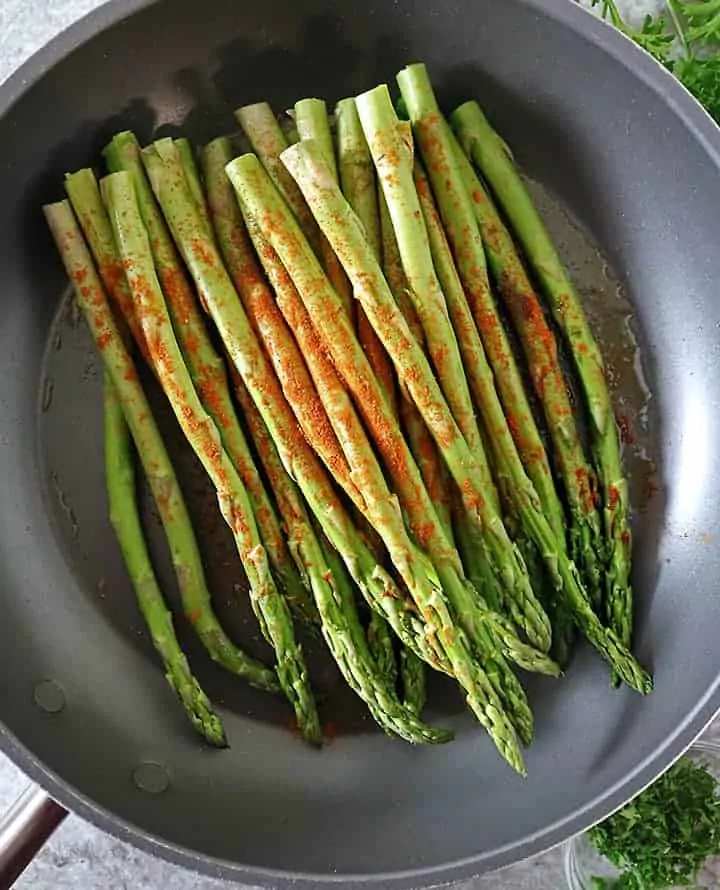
(79,856)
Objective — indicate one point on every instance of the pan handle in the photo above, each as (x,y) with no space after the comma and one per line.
(29,822)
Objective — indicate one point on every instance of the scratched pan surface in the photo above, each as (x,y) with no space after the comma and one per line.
(84,707)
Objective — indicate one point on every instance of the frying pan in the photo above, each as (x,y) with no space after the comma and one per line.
(83,707)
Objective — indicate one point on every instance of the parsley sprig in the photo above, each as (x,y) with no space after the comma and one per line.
(663,837)
(696,26)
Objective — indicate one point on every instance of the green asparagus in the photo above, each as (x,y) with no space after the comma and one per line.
(331,588)
(205,365)
(202,434)
(461,229)
(125,520)
(497,167)
(341,227)
(151,449)
(357,180)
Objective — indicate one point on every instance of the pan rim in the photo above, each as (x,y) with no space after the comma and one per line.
(702,127)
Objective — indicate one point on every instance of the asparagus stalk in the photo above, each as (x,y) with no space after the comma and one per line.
(395,173)
(519,492)
(206,366)
(268,142)
(394,170)
(358,183)
(422,444)
(268,320)
(298,526)
(299,460)
(357,179)
(331,588)
(379,505)
(85,196)
(260,200)
(82,190)
(341,227)
(125,520)
(192,175)
(297,457)
(212,278)
(281,345)
(202,434)
(151,449)
(488,151)
(312,122)
(461,229)
(414,681)
(435,475)
(382,508)
(540,348)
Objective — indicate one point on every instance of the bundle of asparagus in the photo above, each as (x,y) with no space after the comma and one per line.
(407,503)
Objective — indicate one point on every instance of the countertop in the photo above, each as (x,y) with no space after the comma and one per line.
(79,856)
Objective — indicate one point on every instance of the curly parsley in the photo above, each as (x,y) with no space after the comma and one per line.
(696,27)
(663,837)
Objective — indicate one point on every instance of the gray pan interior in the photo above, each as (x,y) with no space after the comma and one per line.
(635,161)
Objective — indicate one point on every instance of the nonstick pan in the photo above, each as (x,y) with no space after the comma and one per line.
(83,706)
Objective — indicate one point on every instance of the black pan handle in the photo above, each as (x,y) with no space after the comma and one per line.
(24,829)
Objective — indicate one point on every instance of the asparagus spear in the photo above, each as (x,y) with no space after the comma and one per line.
(206,367)
(487,150)
(422,445)
(414,680)
(211,276)
(85,196)
(357,179)
(435,476)
(268,320)
(380,506)
(268,141)
(394,171)
(260,200)
(125,519)
(461,229)
(333,595)
(298,526)
(192,175)
(538,343)
(519,492)
(341,227)
(312,122)
(203,436)
(300,462)
(151,449)
(278,338)
(358,182)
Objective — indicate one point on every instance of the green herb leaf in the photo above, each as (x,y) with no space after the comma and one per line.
(663,838)
(702,78)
